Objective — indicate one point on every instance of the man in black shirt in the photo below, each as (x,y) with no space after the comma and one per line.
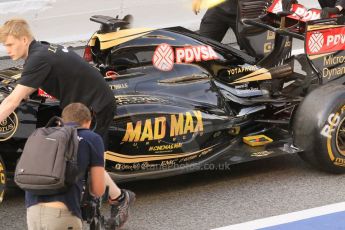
(331,7)
(58,71)
(66,76)
(217,19)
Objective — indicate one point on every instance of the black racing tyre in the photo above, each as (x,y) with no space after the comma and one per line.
(319,128)
(3,179)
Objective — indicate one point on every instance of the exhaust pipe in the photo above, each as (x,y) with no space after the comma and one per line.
(281,71)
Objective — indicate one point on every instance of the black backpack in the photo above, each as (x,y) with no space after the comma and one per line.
(48,164)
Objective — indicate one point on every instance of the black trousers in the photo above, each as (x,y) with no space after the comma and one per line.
(327,3)
(216,23)
(104,118)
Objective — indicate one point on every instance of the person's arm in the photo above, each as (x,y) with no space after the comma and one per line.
(340,4)
(97,182)
(97,172)
(327,11)
(196,6)
(12,101)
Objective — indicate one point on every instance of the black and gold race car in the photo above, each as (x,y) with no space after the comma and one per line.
(188,103)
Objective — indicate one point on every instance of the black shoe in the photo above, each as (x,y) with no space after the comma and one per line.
(120,210)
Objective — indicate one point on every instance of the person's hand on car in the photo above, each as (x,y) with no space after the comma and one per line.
(329,10)
(196,6)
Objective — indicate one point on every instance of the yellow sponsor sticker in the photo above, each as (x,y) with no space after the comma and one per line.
(270,35)
(268,46)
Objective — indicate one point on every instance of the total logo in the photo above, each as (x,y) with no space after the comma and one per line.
(165,56)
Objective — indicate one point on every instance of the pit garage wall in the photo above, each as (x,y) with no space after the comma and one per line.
(67,21)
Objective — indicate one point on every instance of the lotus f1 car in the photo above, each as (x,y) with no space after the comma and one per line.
(185,102)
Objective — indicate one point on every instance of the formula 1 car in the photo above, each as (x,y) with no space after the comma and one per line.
(187,103)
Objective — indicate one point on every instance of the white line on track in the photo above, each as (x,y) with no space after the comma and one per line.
(286,218)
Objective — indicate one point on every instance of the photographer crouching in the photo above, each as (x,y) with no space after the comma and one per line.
(63,211)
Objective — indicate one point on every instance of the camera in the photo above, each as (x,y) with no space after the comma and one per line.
(91,210)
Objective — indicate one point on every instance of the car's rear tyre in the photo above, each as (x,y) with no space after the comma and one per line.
(319,128)
(3,179)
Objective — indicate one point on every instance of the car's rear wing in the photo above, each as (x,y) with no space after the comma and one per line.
(324,46)
(324,39)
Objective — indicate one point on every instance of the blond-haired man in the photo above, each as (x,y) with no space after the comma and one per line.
(58,71)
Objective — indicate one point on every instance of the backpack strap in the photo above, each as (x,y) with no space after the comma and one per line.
(53,119)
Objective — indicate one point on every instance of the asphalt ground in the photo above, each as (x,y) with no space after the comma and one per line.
(210,199)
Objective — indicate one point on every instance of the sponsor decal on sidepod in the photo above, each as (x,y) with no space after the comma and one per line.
(325,41)
(164,56)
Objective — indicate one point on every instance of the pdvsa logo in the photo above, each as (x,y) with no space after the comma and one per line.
(337,39)
(8,127)
(164,55)
(304,14)
(326,40)
(316,42)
